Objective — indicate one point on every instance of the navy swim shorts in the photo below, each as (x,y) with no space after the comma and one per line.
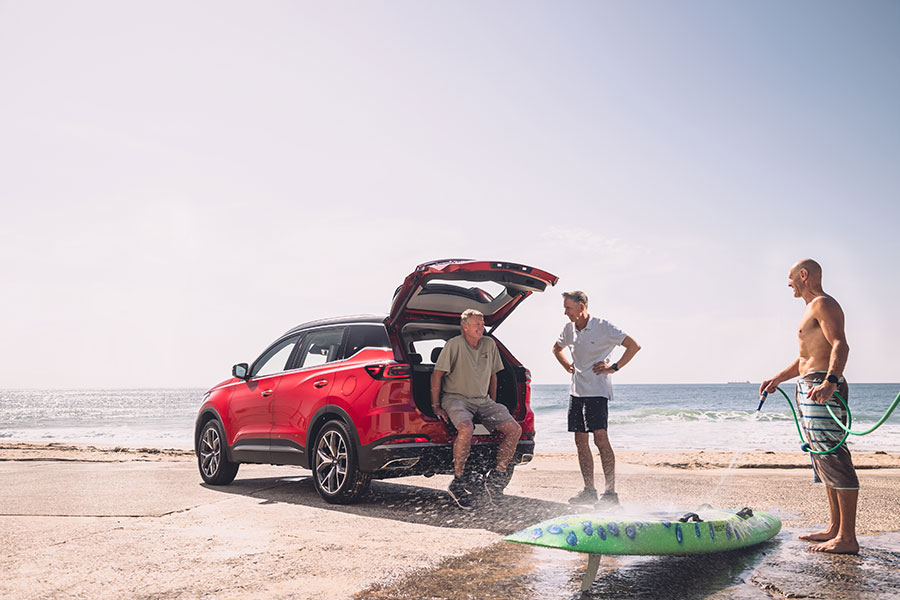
(588,413)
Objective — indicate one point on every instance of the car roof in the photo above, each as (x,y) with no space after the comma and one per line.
(374,319)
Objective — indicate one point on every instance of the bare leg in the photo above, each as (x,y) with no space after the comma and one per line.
(845,540)
(607,458)
(834,520)
(585,460)
(511,433)
(461,446)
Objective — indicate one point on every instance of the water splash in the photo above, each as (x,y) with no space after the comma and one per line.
(749,434)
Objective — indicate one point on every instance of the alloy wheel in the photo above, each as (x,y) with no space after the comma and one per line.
(331,461)
(210,451)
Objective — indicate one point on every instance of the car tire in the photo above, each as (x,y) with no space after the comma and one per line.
(215,468)
(335,466)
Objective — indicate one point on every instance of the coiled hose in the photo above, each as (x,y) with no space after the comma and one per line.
(847,431)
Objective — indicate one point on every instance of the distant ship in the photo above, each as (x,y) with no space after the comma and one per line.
(737,382)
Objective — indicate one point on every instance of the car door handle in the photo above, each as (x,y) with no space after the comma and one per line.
(267,393)
(320,383)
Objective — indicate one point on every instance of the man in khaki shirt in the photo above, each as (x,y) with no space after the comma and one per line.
(467,367)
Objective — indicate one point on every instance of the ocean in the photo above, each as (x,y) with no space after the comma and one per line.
(710,417)
(642,417)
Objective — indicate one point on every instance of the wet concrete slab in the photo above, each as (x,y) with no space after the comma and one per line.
(794,572)
(98,526)
(780,568)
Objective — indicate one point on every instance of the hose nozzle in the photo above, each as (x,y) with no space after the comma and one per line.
(762,399)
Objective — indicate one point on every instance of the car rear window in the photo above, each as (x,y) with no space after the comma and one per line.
(366,336)
(320,347)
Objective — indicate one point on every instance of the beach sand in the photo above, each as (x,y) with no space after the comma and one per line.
(86,522)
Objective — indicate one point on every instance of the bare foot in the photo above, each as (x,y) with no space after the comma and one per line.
(819,536)
(836,546)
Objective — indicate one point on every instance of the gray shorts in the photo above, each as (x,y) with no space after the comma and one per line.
(460,408)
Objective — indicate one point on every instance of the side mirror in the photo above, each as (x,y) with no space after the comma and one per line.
(240,371)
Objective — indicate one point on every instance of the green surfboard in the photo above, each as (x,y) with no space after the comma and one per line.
(707,530)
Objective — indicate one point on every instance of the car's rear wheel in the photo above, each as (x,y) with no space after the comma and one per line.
(336,466)
(215,468)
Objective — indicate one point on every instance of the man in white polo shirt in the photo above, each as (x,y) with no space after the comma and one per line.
(591,341)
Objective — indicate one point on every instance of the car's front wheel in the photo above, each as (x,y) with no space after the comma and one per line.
(336,466)
(215,468)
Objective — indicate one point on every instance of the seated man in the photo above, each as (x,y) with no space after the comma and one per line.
(468,366)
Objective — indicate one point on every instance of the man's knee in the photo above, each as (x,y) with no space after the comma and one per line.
(466,428)
(511,429)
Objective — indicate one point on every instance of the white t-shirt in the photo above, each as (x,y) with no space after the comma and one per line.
(591,345)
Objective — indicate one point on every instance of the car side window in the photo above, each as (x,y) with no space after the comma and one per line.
(274,360)
(364,336)
(320,347)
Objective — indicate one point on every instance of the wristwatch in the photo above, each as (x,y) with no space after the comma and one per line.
(615,366)
(832,379)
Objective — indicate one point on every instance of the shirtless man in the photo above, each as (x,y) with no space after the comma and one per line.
(823,355)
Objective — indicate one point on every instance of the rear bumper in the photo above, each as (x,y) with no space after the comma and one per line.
(399,460)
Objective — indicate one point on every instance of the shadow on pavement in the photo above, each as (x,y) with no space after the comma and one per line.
(405,502)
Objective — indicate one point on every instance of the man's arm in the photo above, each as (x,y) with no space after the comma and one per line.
(831,319)
(768,386)
(436,378)
(631,348)
(558,353)
(492,387)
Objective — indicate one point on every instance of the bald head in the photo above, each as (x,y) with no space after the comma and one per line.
(813,269)
(805,277)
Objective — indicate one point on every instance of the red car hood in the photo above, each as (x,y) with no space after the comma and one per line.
(441,290)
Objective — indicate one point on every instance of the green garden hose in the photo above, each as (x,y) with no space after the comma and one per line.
(870,429)
(847,432)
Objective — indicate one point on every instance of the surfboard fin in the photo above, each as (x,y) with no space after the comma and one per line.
(591,574)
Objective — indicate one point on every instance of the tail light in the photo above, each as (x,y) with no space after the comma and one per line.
(389,371)
(528,375)
(408,440)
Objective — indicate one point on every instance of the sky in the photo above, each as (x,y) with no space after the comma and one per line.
(182,182)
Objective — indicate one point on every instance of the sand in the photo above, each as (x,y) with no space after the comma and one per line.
(79,521)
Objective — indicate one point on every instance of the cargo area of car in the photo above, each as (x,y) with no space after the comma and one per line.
(423,343)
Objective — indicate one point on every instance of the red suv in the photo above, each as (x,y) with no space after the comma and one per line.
(349,397)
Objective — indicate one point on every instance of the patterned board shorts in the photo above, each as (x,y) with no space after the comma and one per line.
(822,433)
